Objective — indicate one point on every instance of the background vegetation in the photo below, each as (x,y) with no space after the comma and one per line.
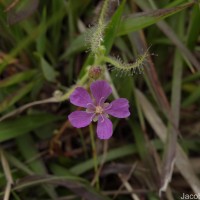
(44,56)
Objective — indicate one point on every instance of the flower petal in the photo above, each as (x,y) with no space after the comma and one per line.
(119,108)
(80,119)
(80,97)
(100,90)
(104,128)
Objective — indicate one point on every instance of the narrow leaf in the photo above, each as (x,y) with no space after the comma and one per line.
(13,128)
(144,19)
(48,71)
(81,188)
(16,96)
(17,78)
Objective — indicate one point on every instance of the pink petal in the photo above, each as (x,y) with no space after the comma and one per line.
(80,119)
(104,128)
(80,97)
(100,90)
(119,108)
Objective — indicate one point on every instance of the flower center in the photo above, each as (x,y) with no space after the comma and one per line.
(99,110)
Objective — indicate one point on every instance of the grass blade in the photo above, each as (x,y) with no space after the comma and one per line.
(12,129)
(182,161)
(142,20)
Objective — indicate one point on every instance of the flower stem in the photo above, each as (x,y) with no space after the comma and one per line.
(103,12)
(94,152)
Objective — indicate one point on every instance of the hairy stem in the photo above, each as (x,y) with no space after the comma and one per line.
(121,65)
(103,12)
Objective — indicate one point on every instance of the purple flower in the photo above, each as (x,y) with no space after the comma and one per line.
(97,109)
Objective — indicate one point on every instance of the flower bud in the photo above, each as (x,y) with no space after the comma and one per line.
(95,72)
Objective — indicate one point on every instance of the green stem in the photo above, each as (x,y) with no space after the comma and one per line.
(83,144)
(98,35)
(94,154)
(103,12)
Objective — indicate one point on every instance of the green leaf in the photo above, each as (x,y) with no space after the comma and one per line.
(28,150)
(48,71)
(192,98)
(113,27)
(17,78)
(111,155)
(80,187)
(26,41)
(14,128)
(194,28)
(77,45)
(16,96)
(41,39)
(139,21)
(63,172)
